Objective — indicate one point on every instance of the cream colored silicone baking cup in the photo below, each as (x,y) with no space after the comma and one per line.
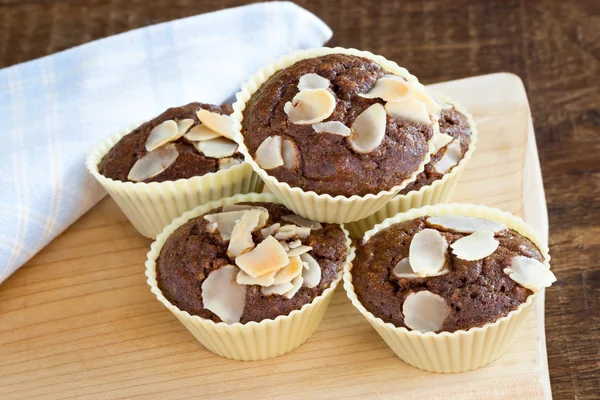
(438,192)
(254,340)
(461,350)
(152,206)
(320,207)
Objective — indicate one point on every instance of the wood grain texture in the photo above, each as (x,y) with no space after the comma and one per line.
(554,46)
(78,320)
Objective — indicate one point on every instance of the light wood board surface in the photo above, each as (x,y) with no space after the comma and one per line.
(78,320)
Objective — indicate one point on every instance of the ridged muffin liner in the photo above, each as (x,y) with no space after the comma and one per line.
(309,204)
(462,350)
(438,191)
(254,340)
(152,206)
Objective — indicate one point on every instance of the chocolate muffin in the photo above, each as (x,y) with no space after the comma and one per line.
(249,262)
(450,148)
(338,124)
(183,142)
(446,273)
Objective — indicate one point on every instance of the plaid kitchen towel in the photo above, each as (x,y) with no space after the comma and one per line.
(53,110)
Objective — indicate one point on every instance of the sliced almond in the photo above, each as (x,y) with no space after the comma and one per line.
(201,133)
(301,221)
(451,157)
(153,163)
(313,81)
(183,125)
(162,133)
(268,155)
(296,251)
(463,224)
(296,285)
(289,272)
(404,270)
(277,289)
(241,235)
(312,271)
(408,108)
(264,280)
(266,257)
(310,106)
(270,230)
(225,221)
(288,231)
(440,141)
(425,311)
(388,89)
(217,148)
(228,162)
(294,244)
(262,219)
(368,129)
(476,246)
(222,295)
(289,153)
(427,253)
(433,107)
(530,273)
(334,127)
(222,124)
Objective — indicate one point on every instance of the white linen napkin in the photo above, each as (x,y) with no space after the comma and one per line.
(53,110)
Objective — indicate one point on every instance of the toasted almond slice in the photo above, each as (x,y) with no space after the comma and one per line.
(222,295)
(262,219)
(388,89)
(183,125)
(222,124)
(268,155)
(296,285)
(440,141)
(267,256)
(334,127)
(289,153)
(211,227)
(264,280)
(408,108)
(217,148)
(404,270)
(476,246)
(296,251)
(463,224)
(228,162)
(313,81)
(161,134)
(312,271)
(451,157)
(277,289)
(289,272)
(433,107)
(241,236)
(368,129)
(301,221)
(225,221)
(427,253)
(153,163)
(200,133)
(530,273)
(294,244)
(310,106)
(425,311)
(270,230)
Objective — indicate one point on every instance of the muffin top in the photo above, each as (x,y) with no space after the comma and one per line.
(339,125)
(449,148)
(249,262)
(446,273)
(183,142)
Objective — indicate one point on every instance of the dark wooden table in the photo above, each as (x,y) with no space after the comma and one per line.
(554,46)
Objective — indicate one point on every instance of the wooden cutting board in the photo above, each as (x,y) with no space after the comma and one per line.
(79,321)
